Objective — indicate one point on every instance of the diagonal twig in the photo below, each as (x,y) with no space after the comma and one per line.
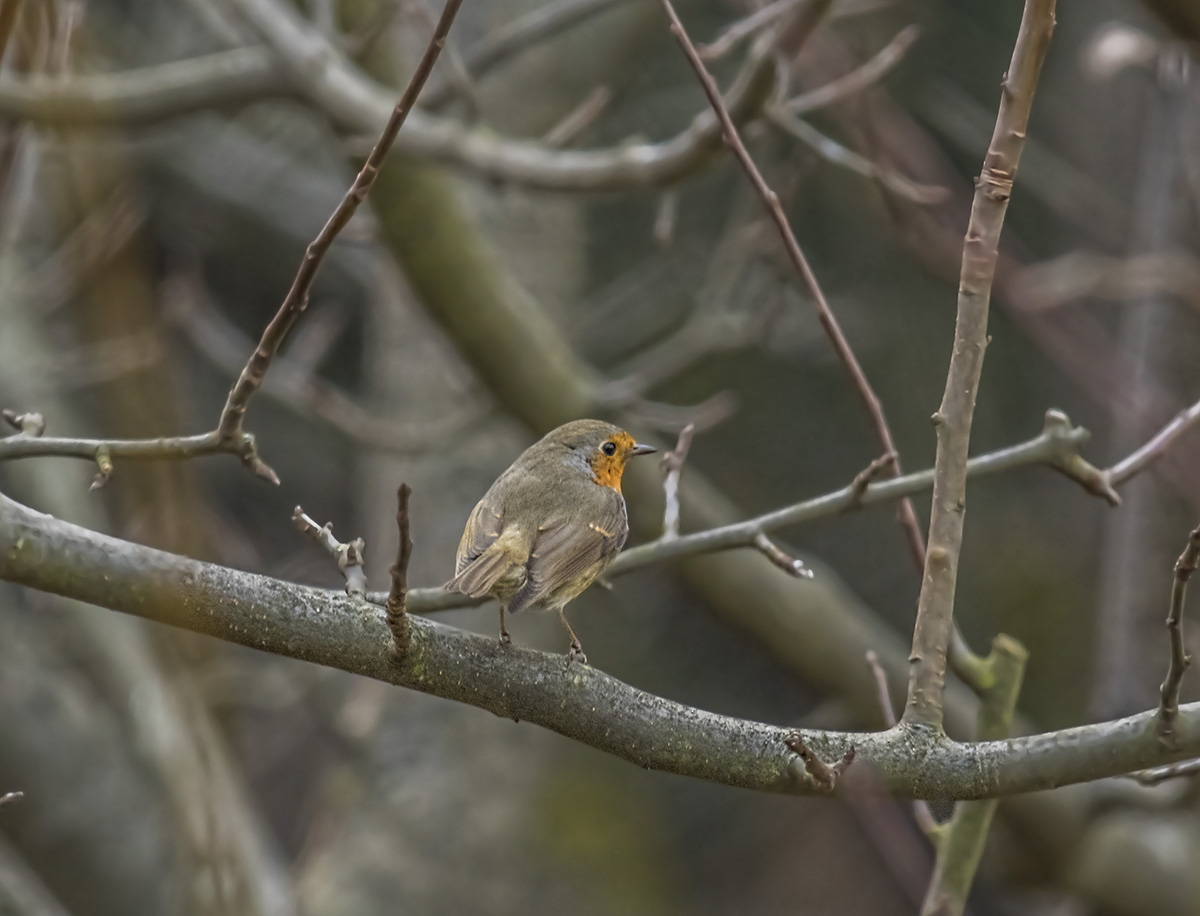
(1133,464)
(869,73)
(1156,775)
(908,517)
(349,556)
(229,428)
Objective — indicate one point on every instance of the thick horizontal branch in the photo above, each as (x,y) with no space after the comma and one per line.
(579,702)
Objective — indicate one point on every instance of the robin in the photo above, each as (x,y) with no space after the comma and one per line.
(550,524)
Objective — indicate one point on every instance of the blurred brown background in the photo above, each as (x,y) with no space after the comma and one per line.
(164,773)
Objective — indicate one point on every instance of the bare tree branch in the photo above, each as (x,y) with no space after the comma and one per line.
(397,612)
(229,427)
(832,151)
(745,27)
(841,346)
(295,384)
(673,463)
(922,813)
(579,119)
(862,77)
(1168,708)
(1136,462)
(170,447)
(1156,775)
(791,565)
(585,704)
(1056,444)
(961,841)
(504,42)
(824,775)
(151,94)
(935,607)
(349,556)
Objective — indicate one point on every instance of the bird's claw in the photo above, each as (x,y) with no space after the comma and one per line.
(505,639)
(576,654)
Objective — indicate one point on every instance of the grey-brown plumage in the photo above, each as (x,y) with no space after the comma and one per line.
(550,524)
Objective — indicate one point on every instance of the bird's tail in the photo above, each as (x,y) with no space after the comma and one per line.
(481,575)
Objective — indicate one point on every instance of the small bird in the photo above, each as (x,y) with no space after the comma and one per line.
(550,524)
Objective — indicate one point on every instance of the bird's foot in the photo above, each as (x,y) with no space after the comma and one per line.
(576,653)
(505,639)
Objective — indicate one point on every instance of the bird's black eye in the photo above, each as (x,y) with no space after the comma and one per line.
(609,448)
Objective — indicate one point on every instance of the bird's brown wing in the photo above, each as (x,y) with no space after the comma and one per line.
(480,532)
(569,553)
(484,558)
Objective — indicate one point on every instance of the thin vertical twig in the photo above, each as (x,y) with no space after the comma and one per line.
(934,626)
(229,428)
(673,462)
(397,611)
(1168,708)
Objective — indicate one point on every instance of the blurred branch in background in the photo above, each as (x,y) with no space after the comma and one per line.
(294,381)
(236,77)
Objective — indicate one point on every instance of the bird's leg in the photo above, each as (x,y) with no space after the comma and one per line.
(576,653)
(505,639)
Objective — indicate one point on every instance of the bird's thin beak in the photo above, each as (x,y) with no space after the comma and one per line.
(643,450)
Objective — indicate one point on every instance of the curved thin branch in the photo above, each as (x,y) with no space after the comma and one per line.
(1055,446)
(832,151)
(1056,441)
(581,702)
(176,448)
